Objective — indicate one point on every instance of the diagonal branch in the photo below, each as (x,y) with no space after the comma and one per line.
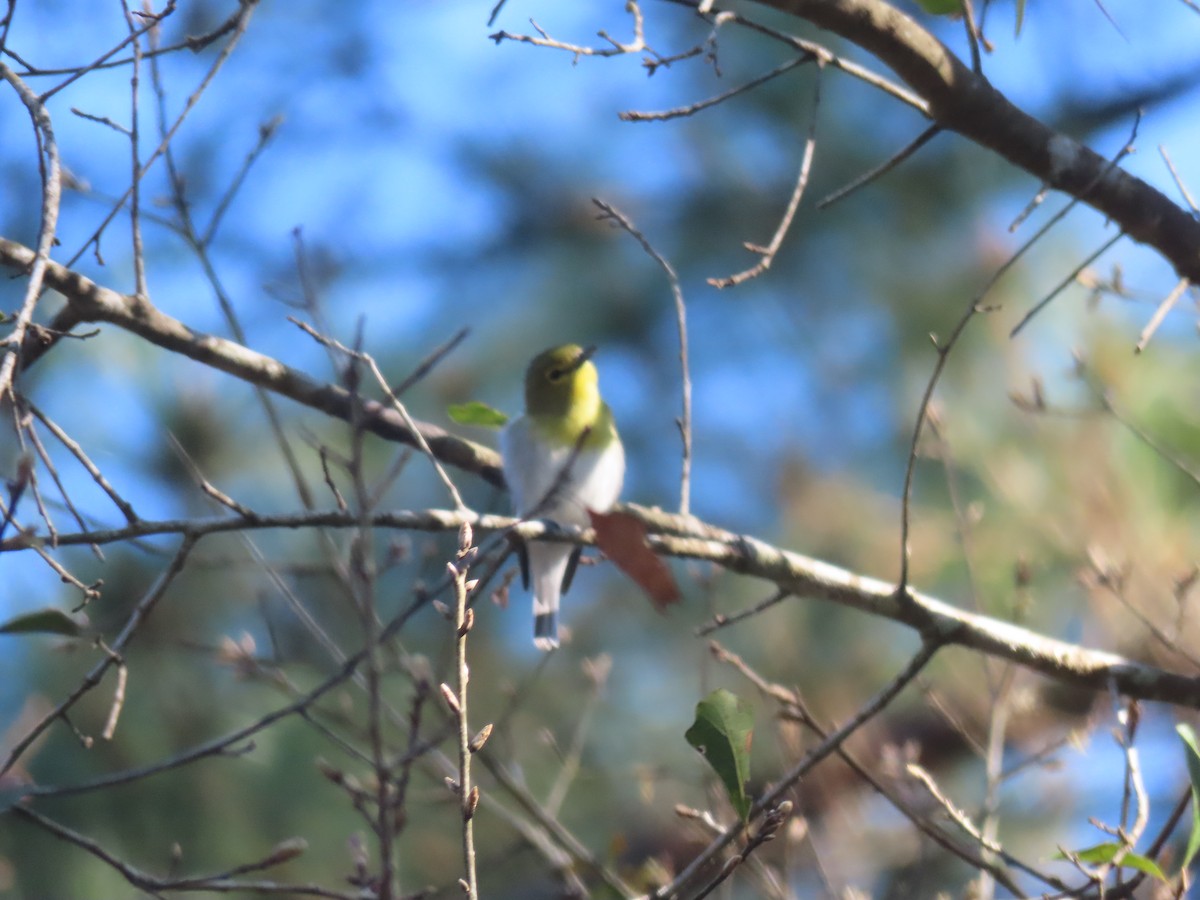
(90,302)
(686,537)
(966,102)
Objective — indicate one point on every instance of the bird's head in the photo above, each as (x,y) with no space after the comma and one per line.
(562,383)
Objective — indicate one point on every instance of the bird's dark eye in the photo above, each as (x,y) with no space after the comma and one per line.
(554,374)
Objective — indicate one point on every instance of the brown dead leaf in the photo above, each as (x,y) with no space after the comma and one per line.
(622,538)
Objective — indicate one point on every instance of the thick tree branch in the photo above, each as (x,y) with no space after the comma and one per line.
(682,536)
(936,621)
(90,302)
(963,101)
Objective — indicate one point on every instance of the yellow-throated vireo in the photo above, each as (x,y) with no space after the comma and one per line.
(561,459)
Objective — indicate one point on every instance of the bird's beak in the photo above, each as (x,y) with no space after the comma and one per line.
(584,356)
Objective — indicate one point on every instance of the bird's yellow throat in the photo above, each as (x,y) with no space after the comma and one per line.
(562,397)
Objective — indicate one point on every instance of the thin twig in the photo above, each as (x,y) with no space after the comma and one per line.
(787,781)
(794,708)
(957,816)
(583,857)
(136,617)
(243,21)
(266,131)
(616,48)
(84,460)
(685,420)
(398,406)
(78,72)
(767,253)
(51,174)
(1187,196)
(723,621)
(135,183)
(1160,313)
(1065,283)
(882,169)
(774,819)
(825,56)
(435,356)
(968,11)
(464,618)
(224,882)
(693,108)
(943,354)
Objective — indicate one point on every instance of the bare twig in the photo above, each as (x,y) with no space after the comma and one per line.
(51,174)
(1066,282)
(225,882)
(242,22)
(693,108)
(1183,190)
(767,253)
(105,61)
(135,180)
(435,356)
(464,618)
(723,621)
(963,101)
(77,451)
(112,657)
(776,794)
(957,816)
(615,48)
(825,56)
(422,443)
(944,349)
(1160,313)
(766,831)
(685,420)
(973,35)
(882,169)
(118,702)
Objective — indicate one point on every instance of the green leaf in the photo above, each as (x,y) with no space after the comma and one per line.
(1020,17)
(476,413)
(1107,852)
(1192,754)
(45,621)
(723,730)
(941,7)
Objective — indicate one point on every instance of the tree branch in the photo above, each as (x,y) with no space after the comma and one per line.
(90,302)
(689,538)
(961,100)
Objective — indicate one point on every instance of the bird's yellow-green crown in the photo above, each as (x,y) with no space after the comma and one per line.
(562,394)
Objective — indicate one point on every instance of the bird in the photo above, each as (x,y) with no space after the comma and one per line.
(561,458)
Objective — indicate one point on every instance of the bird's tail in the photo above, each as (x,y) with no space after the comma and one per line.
(547,566)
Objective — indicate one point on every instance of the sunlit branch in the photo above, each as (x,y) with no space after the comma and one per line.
(803,576)
(90,302)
